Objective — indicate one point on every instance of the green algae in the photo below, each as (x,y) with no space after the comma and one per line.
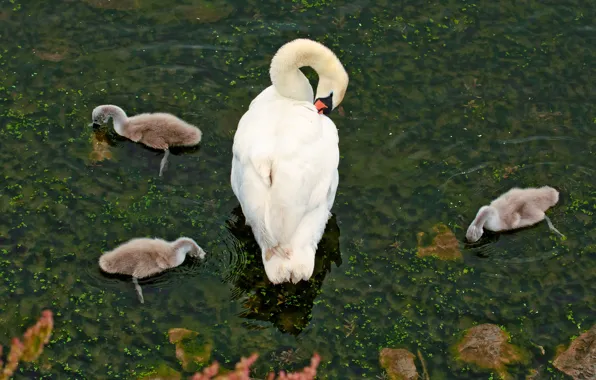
(442,113)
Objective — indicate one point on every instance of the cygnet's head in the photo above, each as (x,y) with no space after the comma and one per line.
(474,233)
(475,230)
(100,116)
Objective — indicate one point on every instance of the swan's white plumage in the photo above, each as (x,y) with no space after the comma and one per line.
(284,173)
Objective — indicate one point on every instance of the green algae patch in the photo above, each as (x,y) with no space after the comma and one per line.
(163,372)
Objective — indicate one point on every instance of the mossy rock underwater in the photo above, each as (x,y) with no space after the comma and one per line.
(191,348)
(488,347)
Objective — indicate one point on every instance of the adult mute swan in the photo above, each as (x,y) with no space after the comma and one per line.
(286,154)
(143,257)
(156,130)
(514,209)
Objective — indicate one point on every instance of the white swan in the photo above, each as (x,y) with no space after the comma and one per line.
(286,154)
(514,209)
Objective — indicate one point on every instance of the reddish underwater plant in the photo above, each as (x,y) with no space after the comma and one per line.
(241,372)
(30,348)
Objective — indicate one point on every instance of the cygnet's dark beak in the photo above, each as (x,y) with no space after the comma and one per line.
(96,125)
(324,105)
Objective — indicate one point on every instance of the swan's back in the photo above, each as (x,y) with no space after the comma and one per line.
(138,256)
(299,146)
(174,131)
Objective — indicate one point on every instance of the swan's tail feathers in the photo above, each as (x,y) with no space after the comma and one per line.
(299,266)
(552,228)
(302,263)
(266,239)
(139,289)
(277,268)
(164,161)
(307,233)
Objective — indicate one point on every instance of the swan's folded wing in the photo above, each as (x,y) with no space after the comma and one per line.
(253,195)
(285,159)
(328,161)
(251,172)
(303,173)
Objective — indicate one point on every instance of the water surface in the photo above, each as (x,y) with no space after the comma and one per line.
(450,103)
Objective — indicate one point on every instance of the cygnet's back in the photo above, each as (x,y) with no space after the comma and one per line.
(524,201)
(156,126)
(139,258)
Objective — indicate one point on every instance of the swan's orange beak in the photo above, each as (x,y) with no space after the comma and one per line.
(320,106)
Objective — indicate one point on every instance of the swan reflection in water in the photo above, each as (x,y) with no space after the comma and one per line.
(287,306)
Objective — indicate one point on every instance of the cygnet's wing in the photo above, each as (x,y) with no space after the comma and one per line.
(509,207)
(161,130)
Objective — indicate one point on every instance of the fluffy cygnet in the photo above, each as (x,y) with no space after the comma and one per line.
(145,257)
(156,130)
(516,208)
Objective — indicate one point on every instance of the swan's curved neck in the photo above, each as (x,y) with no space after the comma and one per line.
(119,117)
(285,72)
(484,214)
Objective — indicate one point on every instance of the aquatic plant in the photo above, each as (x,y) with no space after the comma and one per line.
(31,347)
(242,369)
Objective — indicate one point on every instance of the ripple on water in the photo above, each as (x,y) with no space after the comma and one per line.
(237,258)
(536,138)
(526,245)
(484,247)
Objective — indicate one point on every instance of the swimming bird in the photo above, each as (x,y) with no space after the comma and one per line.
(514,209)
(285,159)
(143,257)
(156,130)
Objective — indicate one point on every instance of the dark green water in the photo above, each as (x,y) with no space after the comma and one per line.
(450,103)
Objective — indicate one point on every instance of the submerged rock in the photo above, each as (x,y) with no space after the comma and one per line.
(579,360)
(398,363)
(190,350)
(55,53)
(444,245)
(487,347)
(101,148)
